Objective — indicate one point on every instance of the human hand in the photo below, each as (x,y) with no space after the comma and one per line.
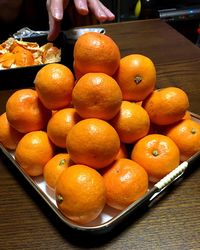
(56,9)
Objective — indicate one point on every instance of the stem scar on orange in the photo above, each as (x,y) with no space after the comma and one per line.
(80,193)
(54,167)
(136,77)
(157,154)
(186,135)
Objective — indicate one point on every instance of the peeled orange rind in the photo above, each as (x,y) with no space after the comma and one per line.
(30,53)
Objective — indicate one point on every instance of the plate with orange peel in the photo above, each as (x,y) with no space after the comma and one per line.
(32,51)
(18,53)
(109,217)
(20,59)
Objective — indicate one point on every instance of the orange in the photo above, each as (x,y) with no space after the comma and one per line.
(25,112)
(54,83)
(77,73)
(17,48)
(24,58)
(125,181)
(54,167)
(97,95)
(9,137)
(186,135)
(157,154)
(167,105)
(80,193)
(33,151)
(187,115)
(136,77)
(59,125)
(7,60)
(131,123)
(123,152)
(93,142)
(95,52)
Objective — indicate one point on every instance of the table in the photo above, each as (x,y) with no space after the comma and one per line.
(26,222)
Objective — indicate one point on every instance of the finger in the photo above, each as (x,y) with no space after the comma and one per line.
(56,9)
(81,7)
(109,14)
(98,9)
(54,29)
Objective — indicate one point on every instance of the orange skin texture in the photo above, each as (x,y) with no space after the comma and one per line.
(7,60)
(59,125)
(123,153)
(54,168)
(95,52)
(23,57)
(33,151)
(157,154)
(9,137)
(77,73)
(167,105)
(125,181)
(187,115)
(186,135)
(54,83)
(25,112)
(131,123)
(136,77)
(19,56)
(97,95)
(83,193)
(93,142)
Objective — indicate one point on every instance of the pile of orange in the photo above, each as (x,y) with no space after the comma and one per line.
(100,135)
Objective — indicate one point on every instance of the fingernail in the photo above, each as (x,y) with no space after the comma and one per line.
(58,15)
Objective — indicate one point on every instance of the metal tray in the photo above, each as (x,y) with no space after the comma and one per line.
(110,218)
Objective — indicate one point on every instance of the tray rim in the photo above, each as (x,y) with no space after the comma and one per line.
(148,199)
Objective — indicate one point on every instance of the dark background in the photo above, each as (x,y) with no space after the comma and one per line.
(186,24)
(33,14)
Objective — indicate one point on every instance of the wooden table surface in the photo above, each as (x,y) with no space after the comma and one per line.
(26,222)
